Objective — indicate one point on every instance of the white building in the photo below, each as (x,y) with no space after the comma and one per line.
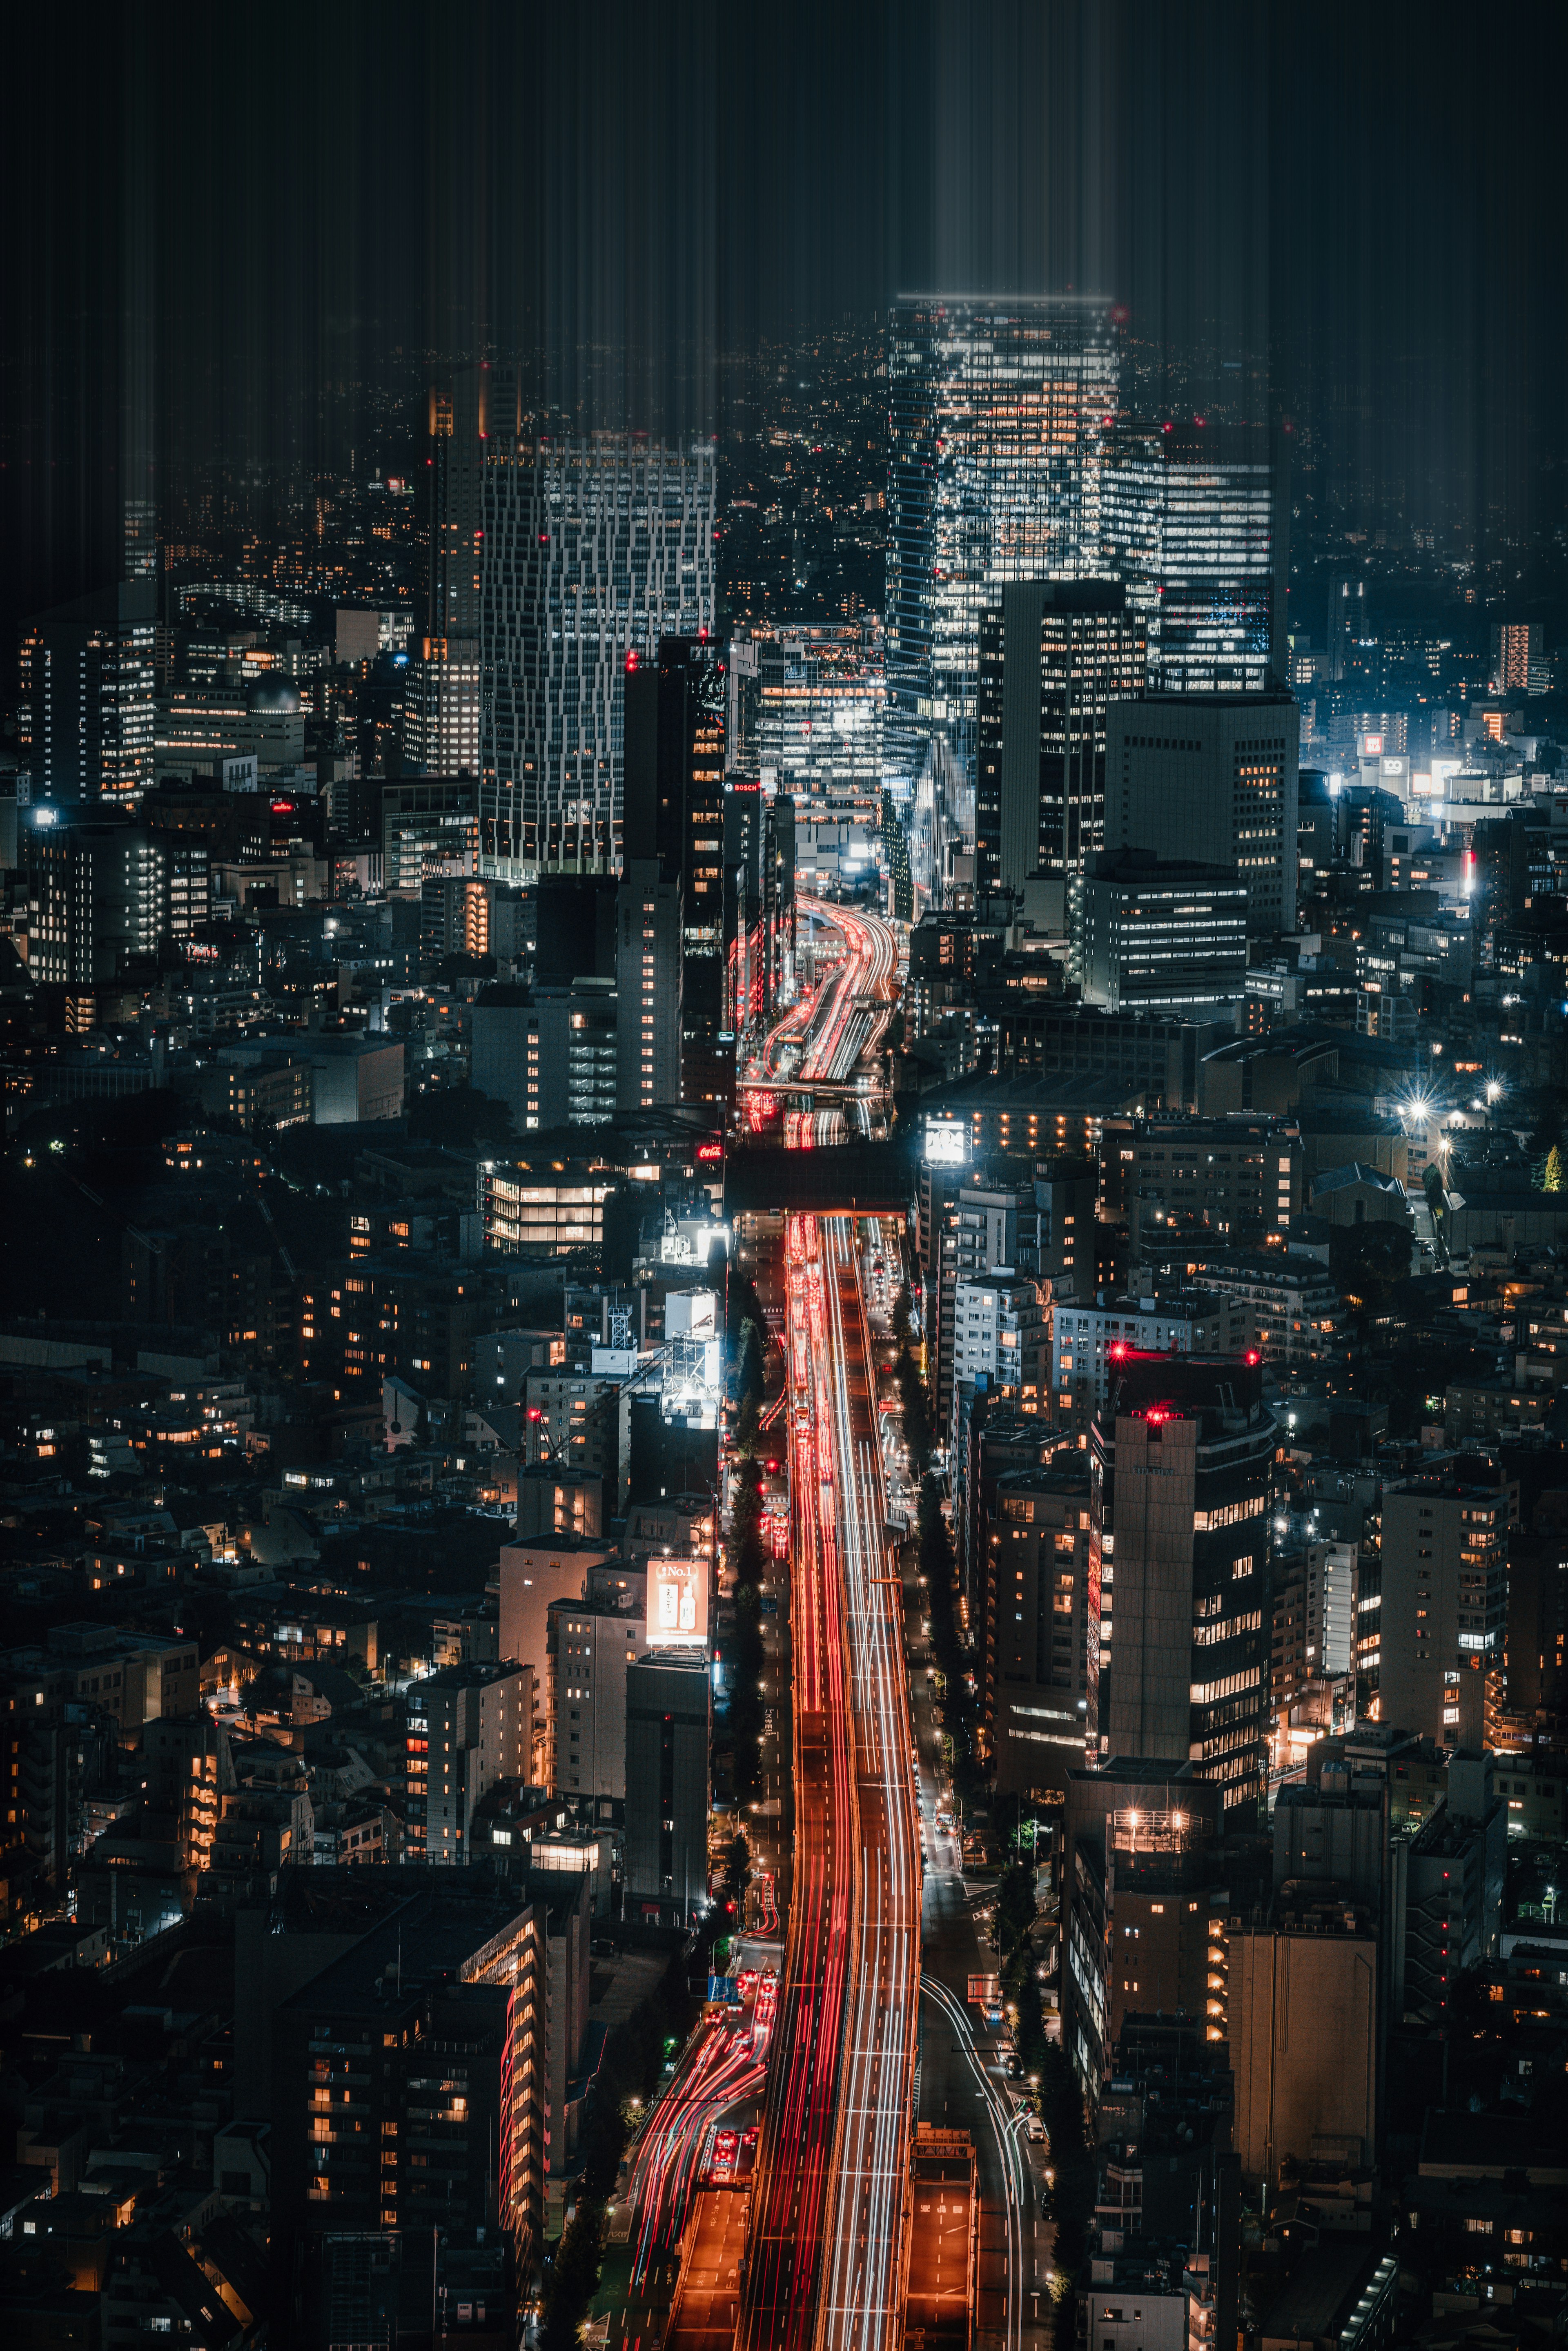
(593,550)
(999,1330)
(1331,1608)
(1086,1339)
(589,1647)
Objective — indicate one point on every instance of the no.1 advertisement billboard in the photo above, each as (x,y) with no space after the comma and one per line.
(677,1603)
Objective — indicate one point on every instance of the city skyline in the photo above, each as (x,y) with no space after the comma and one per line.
(784,1179)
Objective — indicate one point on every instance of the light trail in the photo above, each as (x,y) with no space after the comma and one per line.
(784,2247)
(863,2304)
(1009,2154)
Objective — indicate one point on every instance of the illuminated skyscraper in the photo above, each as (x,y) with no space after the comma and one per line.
(1053,656)
(675,818)
(817,724)
(1189,525)
(442,700)
(86,717)
(593,550)
(999,407)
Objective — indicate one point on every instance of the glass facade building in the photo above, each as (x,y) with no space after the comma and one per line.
(998,410)
(1189,523)
(818,717)
(593,550)
(1054,657)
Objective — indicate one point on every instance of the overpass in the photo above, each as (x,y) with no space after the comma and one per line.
(863,1179)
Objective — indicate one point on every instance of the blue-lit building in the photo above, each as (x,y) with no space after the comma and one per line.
(998,411)
(1190,525)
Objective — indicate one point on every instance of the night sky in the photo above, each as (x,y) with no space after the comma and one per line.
(237,241)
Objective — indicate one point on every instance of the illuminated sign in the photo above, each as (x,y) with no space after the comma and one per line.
(947,1143)
(677,1603)
(710,1151)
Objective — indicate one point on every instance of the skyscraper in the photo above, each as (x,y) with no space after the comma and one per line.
(593,550)
(1346,625)
(1438,1586)
(1211,776)
(673,815)
(999,407)
(1190,525)
(669,1725)
(441,701)
(86,715)
(1053,656)
(817,721)
(1181,1471)
(648,993)
(443,696)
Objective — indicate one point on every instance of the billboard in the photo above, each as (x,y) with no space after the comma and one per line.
(948,1143)
(677,1603)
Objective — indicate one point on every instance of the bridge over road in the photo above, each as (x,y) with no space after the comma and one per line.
(863,1179)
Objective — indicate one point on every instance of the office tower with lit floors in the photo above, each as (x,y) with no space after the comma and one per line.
(86,718)
(1191,527)
(595,551)
(1181,1479)
(1054,657)
(1213,777)
(1439,1580)
(443,683)
(648,988)
(441,705)
(999,408)
(675,711)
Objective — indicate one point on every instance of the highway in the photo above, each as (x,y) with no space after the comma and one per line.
(821,1044)
(863,2293)
(784,2246)
(825,2258)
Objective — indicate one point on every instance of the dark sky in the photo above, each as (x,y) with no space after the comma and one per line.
(240,238)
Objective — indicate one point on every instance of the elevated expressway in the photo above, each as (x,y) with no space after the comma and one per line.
(826,2255)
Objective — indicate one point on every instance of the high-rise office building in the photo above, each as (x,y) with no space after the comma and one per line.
(1047,1652)
(1053,656)
(1151,935)
(441,708)
(1213,777)
(590,1648)
(474,405)
(86,720)
(674,815)
(810,702)
(430,828)
(669,1725)
(648,988)
(999,407)
(1190,526)
(551,1054)
(1181,1466)
(101,885)
(593,550)
(759,901)
(1438,1586)
(1347,625)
